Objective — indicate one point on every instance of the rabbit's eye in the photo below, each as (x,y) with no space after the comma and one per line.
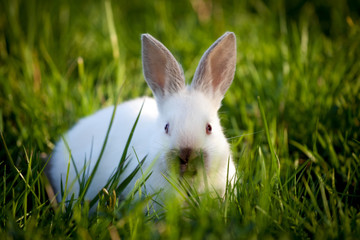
(167,128)
(208,129)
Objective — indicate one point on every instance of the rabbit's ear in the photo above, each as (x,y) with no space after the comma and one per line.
(161,70)
(216,69)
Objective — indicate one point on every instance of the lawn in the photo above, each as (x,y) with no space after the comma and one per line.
(292,114)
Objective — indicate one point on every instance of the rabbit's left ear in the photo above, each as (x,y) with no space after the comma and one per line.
(216,69)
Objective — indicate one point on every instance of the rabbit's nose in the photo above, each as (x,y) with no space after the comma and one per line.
(184,157)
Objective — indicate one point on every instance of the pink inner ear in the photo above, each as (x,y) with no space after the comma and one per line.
(162,72)
(156,65)
(216,69)
(221,65)
(217,72)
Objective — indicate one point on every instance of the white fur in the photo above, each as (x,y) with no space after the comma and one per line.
(187,110)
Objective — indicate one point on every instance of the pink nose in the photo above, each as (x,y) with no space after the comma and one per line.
(184,156)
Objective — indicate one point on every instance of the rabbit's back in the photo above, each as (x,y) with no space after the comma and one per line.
(86,139)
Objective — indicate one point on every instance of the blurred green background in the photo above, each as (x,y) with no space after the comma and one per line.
(62,60)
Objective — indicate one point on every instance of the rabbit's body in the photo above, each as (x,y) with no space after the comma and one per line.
(87,137)
(179,128)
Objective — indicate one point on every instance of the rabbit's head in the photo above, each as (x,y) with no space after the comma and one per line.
(188,121)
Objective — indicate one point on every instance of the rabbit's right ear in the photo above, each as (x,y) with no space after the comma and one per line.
(161,70)
(216,69)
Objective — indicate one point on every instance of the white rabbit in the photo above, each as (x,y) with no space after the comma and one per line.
(175,128)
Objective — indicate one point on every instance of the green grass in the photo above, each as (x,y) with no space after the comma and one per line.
(292,114)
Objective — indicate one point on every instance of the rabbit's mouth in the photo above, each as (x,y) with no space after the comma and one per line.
(185,169)
(189,161)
